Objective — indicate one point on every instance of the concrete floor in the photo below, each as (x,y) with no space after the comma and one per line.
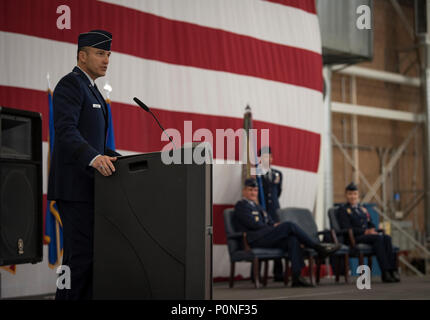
(410,288)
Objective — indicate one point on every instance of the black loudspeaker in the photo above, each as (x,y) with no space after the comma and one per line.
(21,219)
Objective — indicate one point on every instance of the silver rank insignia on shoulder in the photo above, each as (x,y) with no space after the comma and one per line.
(277,178)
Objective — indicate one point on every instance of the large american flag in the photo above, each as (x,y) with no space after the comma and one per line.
(189,60)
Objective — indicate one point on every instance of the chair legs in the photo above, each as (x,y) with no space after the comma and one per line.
(319,262)
(311,269)
(337,262)
(397,260)
(312,262)
(338,259)
(337,267)
(266,271)
(346,260)
(256,266)
(286,272)
(256,272)
(360,259)
(369,262)
(231,281)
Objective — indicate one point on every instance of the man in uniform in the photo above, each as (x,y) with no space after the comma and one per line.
(263,232)
(81,124)
(352,215)
(272,187)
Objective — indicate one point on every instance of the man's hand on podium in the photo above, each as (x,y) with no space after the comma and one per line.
(104,165)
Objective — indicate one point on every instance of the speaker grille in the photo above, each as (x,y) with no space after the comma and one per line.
(18,211)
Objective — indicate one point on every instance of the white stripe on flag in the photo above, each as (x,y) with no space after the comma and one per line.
(254,18)
(165,86)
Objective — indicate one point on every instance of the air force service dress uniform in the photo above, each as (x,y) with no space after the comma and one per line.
(359,220)
(272,186)
(260,231)
(81,123)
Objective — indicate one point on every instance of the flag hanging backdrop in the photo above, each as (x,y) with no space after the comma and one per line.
(53,235)
(189,60)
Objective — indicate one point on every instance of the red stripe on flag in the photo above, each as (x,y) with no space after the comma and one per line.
(153,37)
(218,222)
(306,5)
(135,130)
(292,148)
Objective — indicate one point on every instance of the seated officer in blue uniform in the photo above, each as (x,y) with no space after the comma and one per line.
(272,187)
(352,215)
(81,124)
(263,232)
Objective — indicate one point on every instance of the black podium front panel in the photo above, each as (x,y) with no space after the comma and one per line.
(153,230)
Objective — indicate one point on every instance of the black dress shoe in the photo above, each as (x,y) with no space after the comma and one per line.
(326,249)
(386,277)
(278,279)
(395,275)
(301,282)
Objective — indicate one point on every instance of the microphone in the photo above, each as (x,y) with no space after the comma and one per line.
(145,107)
(141,104)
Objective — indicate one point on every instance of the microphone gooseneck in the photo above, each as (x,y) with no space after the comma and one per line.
(146,108)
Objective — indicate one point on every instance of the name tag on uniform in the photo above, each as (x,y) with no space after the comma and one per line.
(96,105)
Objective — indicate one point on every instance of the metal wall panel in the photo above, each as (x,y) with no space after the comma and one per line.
(342,40)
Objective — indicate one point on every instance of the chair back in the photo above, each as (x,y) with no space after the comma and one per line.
(303,218)
(332,216)
(334,223)
(233,243)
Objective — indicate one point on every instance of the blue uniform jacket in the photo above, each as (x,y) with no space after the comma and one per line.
(81,123)
(272,190)
(249,217)
(356,218)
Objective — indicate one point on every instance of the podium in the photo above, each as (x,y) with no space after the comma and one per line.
(153,229)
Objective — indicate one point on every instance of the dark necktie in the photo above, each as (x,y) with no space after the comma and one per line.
(100,97)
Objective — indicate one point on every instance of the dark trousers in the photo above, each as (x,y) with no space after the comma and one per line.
(287,236)
(383,248)
(78,238)
(277,263)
